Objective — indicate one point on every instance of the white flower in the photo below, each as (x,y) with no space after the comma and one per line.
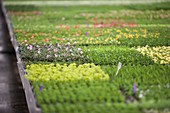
(30,47)
(55,55)
(75,43)
(159,86)
(167,85)
(83,14)
(140,95)
(79,49)
(47,56)
(66,48)
(72,54)
(39,52)
(147,90)
(81,52)
(68,43)
(50,44)
(63,18)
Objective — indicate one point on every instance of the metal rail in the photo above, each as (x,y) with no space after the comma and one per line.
(9,49)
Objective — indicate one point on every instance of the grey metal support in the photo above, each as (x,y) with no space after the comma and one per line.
(30,100)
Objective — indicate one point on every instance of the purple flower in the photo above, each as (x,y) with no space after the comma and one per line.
(134,88)
(87,34)
(41,87)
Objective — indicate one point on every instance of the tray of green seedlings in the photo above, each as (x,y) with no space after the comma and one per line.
(149,85)
(107,55)
(81,88)
(72,88)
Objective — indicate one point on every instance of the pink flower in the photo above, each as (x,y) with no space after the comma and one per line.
(66,48)
(55,50)
(77,34)
(58,45)
(68,43)
(30,47)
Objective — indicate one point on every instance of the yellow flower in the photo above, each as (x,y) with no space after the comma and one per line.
(106,39)
(119,31)
(135,30)
(127,29)
(137,36)
(118,42)
(157,53)
(130,35)
(91,39)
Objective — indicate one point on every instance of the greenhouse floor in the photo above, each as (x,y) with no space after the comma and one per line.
(12,97)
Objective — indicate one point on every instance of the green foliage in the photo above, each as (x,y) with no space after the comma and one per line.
(112,55)
(21,7)
(145,41)
(62,73)
(82,88)
(88,95)
(152,81)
